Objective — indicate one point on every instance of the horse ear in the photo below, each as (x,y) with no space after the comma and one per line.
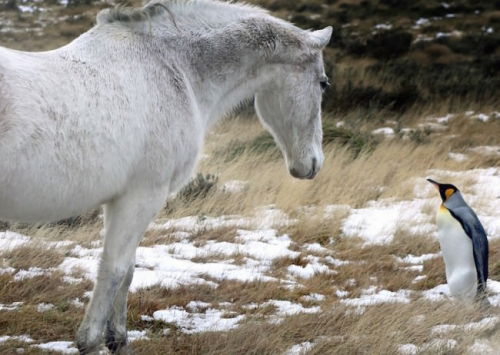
(319,39)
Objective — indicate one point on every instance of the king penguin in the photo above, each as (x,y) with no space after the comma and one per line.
(464,245)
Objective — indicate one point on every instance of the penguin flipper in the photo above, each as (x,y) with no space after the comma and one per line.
(475,230)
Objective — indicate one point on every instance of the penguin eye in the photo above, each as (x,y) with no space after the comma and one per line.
(449,192)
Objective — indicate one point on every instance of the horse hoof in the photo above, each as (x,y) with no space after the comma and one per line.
(85,350)
(85,345)
(116,343)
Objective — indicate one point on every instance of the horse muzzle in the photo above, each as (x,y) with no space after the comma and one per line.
(306,173)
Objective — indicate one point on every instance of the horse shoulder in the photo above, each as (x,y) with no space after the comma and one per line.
(5,121)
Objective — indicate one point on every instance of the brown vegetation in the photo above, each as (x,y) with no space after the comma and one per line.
(382,78)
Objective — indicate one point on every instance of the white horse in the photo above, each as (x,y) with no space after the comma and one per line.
(118,117)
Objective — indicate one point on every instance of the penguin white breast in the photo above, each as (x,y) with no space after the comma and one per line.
(458,256)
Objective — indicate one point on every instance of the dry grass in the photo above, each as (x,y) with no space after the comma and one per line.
(352,175)
(337,333)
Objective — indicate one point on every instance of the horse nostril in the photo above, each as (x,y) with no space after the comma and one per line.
(294,173)
(315,161)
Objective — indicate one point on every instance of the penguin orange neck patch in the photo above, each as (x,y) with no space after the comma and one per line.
(449,192)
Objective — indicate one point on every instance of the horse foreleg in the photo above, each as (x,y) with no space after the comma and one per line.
(126,218)
(116,329)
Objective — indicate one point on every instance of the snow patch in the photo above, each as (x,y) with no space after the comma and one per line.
(300,349)
(380,220)
(11,240)
(438,293)
(7,270)
(313,297)
(10,306)
(341,293)
(134,335)
(235,186)
(417,268)
(486,150)
(408,349)
(419,278)
(308,271)
(18,338)
(458,157)
(31,273)
(171,266)
(44,307)
(412,259)
(383,26)
(65,347)
(77,303)
(287,308)
(384,131)
(371,298)
(482,347)
(211,320)
(316,248)
(484,324)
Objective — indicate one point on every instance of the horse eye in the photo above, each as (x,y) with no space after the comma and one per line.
(324,84)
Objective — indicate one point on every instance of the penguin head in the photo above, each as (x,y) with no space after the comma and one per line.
(445,190)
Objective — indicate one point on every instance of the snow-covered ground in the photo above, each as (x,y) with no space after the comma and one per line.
(257,244)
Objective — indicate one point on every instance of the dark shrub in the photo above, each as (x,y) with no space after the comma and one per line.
(262,143)
(473,44)
(342,16)
(419,136)
(79,2)
(389,44)
(351,97)
(337,34)
(4,225)
(354,46)
(398,4)
(304,21)
(198,188)
(309,6)
(356,141)
(9,4)
(478,80)
(435,11)
(77,221)
(276,5)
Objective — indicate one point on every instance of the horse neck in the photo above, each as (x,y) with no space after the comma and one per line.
(225,71)
(220,93)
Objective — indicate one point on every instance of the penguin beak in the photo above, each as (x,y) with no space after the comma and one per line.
(435,183)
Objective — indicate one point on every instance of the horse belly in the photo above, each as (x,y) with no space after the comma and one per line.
(39,189)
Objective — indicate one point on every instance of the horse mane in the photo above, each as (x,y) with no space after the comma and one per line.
(192,14)
(258,28)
